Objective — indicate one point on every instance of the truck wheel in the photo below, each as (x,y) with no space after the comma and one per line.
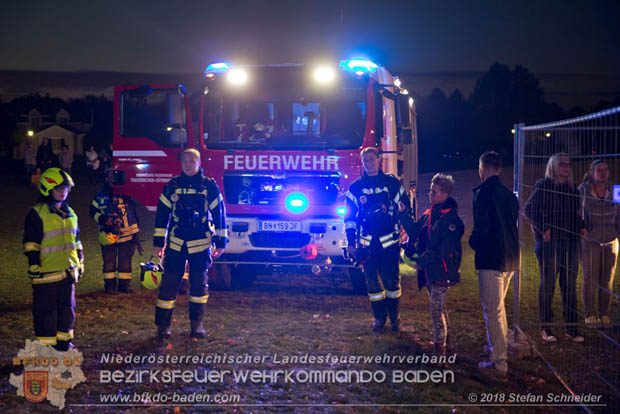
(358,281)
(220,277)
(242,276)
(227,277)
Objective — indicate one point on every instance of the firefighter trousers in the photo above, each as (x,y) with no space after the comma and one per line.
(117,263)
(53,311)
(384,297)
(174,267)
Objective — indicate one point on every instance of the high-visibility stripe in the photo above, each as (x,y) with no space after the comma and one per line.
(165,201)
(185,191)
(350,225)
(198,249)
(109,275)
(399,195)
(194,243)
(215,202)
(46,340)
(32,247)
(221,232)
(95,204)
(66,246)
(389,243)
(165,304)
(159,232)
(375,297)
(96,216)
(176,240)
(351,197)
(123,239)
(124,275)
(386,237)
(65,336)
(364,242)
(393,294)
(199,299)
(50,277)
(79,246)
(175,247)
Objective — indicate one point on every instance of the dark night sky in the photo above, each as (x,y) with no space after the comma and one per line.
(157,36)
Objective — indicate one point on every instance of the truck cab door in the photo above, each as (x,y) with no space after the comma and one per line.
(152,125)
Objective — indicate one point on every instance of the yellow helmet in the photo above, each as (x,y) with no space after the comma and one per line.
(151,274)
(106,239)
(53,178)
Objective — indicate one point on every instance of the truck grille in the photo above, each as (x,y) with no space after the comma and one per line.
(279,240)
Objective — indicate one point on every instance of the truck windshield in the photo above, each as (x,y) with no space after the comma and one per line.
(286,124)
(281,108)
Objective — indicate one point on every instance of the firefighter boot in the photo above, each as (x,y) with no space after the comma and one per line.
(163,332)
(123,286)
(197,330)
(393,310)
(110,285)
(380,314)
(63,346)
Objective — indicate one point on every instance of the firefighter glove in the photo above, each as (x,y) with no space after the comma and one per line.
(34,271)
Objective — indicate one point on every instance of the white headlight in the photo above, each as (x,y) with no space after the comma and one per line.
(237,76)
(324,75)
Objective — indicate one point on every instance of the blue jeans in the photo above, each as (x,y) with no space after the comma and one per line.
(557,259)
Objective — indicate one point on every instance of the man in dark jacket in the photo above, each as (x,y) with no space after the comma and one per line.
(187,207)
(495,240)
(437,240)
(373,232)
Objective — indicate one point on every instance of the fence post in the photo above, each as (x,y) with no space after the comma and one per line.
(516,291)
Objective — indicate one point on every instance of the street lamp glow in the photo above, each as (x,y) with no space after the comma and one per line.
(30,133)
(397,82)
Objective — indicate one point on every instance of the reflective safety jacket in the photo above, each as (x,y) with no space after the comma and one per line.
(120,208)
(191,212)
(372,210)
(52,241)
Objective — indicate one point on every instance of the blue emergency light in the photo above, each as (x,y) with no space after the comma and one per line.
(359,65)
(217,67)
(341,211)
(296,203)
(616,193)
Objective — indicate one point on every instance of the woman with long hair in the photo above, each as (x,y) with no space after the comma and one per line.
(553,211)
(599,247)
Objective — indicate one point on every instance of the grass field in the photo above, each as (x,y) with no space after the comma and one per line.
(287,315)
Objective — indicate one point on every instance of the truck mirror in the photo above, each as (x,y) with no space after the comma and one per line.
(403,119)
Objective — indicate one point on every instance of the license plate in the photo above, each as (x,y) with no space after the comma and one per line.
(279,226)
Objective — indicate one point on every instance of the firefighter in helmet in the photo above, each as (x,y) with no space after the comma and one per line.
(118,235)
(191,218)
(373,233)
(55,260)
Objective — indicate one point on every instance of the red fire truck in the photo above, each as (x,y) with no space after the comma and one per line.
(282,142)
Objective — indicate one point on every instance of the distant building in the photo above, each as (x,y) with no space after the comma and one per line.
(59,133)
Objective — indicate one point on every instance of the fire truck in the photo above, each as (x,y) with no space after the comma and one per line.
(283,144)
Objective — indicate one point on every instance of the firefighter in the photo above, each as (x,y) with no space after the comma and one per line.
(118,235)
(55,260)
(373,233)
(188,205)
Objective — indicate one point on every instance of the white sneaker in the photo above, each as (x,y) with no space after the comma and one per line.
(592,320)
(575,337)
(547,336)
